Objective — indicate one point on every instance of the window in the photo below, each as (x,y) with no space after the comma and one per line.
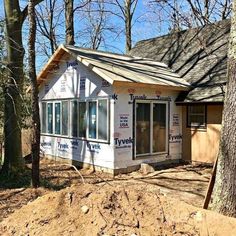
(57,118)
(74,119)
(88,119)
(92,120)
(82,119)
(196,116)
(102,119)
(50,118)
(65,113)
(98,119)
(151,128)
(44,118)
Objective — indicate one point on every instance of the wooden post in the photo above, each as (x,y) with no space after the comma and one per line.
(210,186)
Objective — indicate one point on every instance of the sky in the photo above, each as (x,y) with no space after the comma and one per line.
(141,30)
(145,25)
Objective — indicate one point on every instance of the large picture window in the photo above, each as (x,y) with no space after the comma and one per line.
(196,116)
(88,119)
(151,128)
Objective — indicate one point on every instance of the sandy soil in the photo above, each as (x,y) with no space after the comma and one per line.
(135,204)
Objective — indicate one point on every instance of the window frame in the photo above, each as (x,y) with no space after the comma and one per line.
(87,120)
(204,113)
(53,118)
(107,120)
(151,153)
(71,118)
(68,118)
(43,130)
(86,114)
(52,133)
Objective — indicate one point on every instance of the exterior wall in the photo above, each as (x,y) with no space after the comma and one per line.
(124,140)
(74,80)
(201,145)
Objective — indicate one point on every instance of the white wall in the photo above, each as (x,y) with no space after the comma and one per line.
(74,80)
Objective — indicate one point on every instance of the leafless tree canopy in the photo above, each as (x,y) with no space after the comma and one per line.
(190,13)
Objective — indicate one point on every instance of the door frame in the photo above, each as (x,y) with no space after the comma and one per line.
(151,102)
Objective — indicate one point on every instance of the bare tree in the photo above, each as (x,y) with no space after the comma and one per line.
(96,26)
(190,13)
(49,17)
(15,17)
(225,189)
(127,10)
(35,142)
(69,16)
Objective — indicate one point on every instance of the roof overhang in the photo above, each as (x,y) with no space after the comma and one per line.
(199,102)
(53,64)
(148,85)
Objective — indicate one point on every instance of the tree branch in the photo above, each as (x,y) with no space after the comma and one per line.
(25,10)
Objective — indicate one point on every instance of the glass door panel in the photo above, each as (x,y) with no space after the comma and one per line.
(142,128)
(159,128)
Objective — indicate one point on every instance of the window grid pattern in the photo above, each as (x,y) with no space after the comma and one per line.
(88,119)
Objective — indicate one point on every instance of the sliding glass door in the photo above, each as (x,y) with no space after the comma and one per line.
(151,128)
(142,128)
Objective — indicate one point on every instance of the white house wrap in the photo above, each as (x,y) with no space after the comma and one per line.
(108,110)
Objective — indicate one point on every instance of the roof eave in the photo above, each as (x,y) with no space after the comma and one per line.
(145,85)
(184,103)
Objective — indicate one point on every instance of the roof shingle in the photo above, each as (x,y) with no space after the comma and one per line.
(198,55)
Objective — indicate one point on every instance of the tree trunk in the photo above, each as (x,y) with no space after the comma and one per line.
(69,16)
(206,11)
(35,142)
(13,160)
(224,198)
(128,20)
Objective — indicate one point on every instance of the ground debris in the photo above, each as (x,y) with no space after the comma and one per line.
(132,204)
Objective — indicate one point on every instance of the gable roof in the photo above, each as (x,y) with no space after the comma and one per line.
(116,68)
(199,55)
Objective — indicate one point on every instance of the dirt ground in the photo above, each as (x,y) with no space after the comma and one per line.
(160,203)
